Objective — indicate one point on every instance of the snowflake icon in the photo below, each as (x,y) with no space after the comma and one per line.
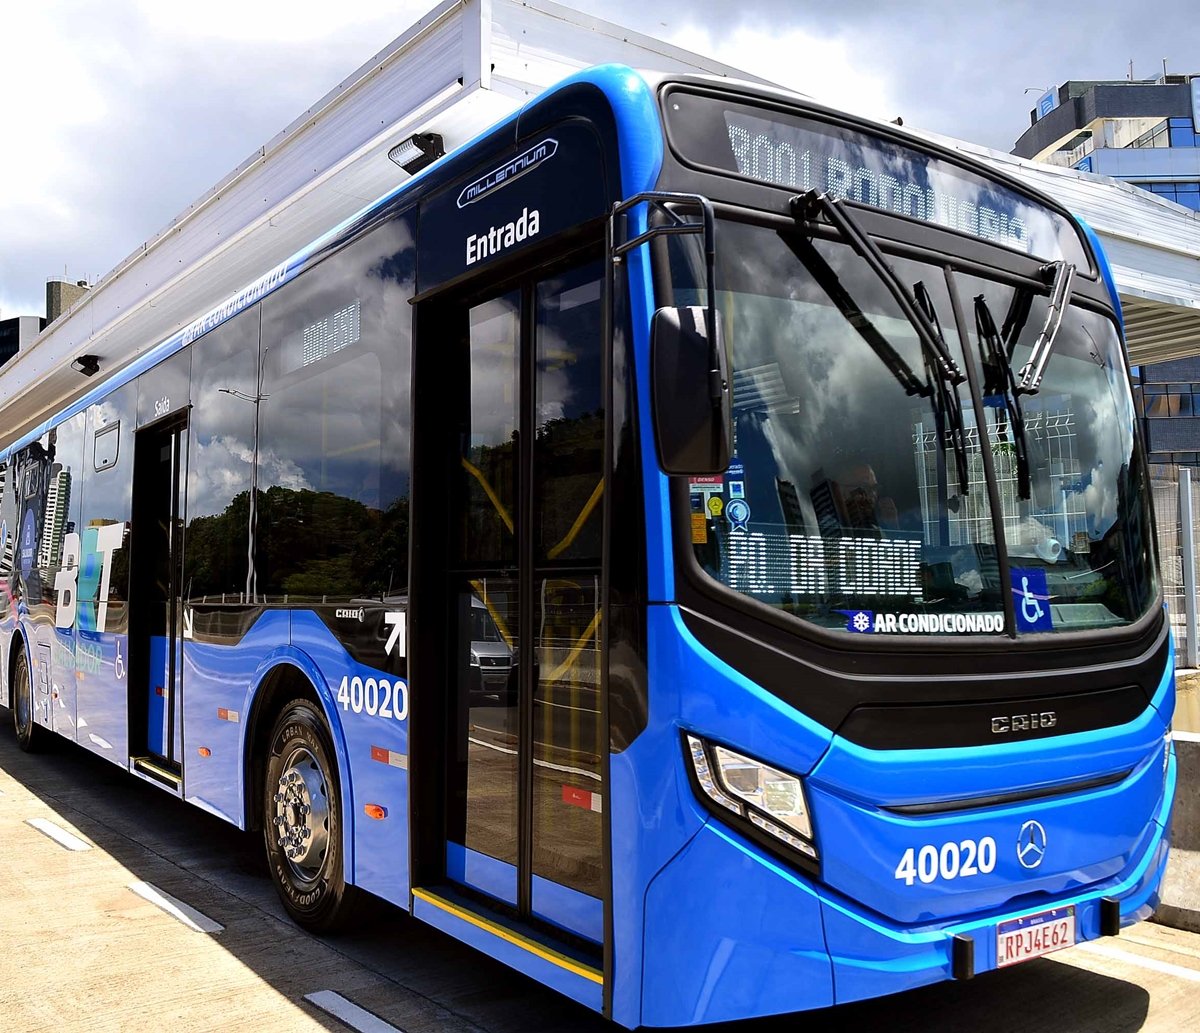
(861,622)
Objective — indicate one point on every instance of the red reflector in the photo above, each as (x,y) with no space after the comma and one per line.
(373,810)
(379,753)
(577,797)
(159,691)
(222,714)
(204,751)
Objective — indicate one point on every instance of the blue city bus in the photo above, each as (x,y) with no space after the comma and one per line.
(754,609)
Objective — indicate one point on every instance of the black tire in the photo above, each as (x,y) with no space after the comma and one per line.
(30,737)
(304,849)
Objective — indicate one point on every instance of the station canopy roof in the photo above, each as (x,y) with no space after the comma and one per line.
(461,68)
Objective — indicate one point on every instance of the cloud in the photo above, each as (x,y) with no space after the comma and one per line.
(816,63)
(122,115)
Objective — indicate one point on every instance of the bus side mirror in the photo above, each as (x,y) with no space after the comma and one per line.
(693,423)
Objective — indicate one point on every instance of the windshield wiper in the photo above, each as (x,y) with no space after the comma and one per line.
(999,380)
(947,405)
(943,373)
(827,279)
(808,205)
(1063,274)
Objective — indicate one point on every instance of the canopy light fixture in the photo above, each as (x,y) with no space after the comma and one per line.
(417,151)
(88,365)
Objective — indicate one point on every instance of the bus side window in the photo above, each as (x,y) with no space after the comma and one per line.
(106,447)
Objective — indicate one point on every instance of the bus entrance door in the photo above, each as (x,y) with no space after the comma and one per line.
(516,516)
(156,558)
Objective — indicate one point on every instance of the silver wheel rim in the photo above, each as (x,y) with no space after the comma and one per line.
(301,814)
(23,706)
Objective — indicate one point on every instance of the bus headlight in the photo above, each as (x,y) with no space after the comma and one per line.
(772,801)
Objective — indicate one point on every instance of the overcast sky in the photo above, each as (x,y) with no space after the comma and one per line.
(116,114)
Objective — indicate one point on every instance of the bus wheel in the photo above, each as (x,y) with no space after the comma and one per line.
(302,820)
(29,735)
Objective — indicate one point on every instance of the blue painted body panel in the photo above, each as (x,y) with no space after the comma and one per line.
(217,678)
(65,709)
(872,956)
(378,852)
(567,908)
(479,871)
(155,695)
(102,704)
(732,934)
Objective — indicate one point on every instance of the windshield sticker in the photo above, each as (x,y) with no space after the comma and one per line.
(699,529)
(1032,599)
(738,513)
(715,506)
(868,622)
(737,479)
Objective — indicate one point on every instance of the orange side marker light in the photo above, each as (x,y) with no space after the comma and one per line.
(373,810)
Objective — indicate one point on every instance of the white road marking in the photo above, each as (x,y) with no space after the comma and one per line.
(1105,950)
(177,909)
(349,1013)
(60,835)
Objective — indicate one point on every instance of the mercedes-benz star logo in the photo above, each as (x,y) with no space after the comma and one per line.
(1031,844)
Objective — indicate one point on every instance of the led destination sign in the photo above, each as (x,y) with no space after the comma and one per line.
(803,154)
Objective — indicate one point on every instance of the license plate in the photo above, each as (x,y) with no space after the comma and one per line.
(1031,936)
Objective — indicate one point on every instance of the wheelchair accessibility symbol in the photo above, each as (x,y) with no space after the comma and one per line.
(1031,609)
(1032,599)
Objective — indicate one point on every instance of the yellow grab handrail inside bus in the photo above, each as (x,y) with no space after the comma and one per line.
(493,498)
(561,670)
(580,520)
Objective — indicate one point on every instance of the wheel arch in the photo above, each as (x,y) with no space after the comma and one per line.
(284,677)
(17,646)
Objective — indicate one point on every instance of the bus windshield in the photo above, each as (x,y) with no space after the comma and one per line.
(845,503)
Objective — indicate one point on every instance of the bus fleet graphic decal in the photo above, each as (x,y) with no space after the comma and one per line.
(82,583)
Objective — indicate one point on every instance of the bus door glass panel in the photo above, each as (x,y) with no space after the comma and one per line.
(1078,536)
(526,799)
(58,560)
(102,618)
(568,481)
(159,480)
(483,779)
